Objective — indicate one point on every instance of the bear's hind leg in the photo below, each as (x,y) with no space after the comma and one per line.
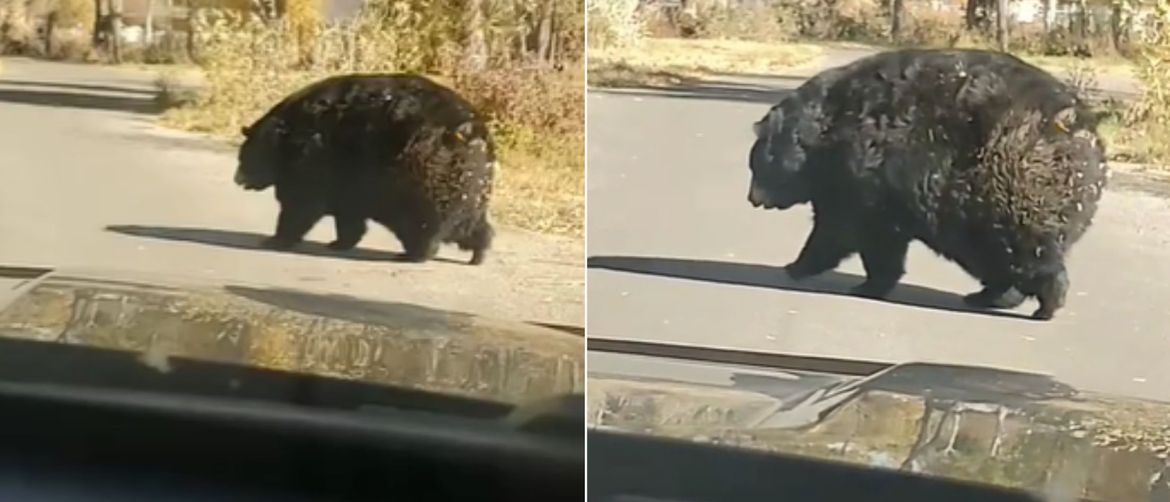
(478,241)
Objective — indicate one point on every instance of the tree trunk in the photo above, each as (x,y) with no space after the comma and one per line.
(1049,15)
(50,26)
(268,10)
(148,26)
(972,14)
(99,15)
(545,34)
(1001,25)
(1115,22)
(475,57)
(554,43)
(896,11)
(1083,7)
(167,23)
(115,37)
(192,53)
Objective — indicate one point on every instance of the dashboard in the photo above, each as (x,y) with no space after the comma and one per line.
(625,467)
(81,423)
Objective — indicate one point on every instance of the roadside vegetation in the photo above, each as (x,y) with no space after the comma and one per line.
(222,63)
(632,42)
(673,60)
(1143,127)
(658,42)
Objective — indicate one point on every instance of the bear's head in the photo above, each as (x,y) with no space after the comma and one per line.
(260,154)
(777,158)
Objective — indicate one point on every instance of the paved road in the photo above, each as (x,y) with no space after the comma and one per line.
(677,254)
(87,179)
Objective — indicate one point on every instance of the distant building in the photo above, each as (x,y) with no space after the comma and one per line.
(174,13)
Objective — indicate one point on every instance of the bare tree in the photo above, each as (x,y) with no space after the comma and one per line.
(475,52)
(1122,24)
(99,18)
(896,11)
(192,11)
(1049,15)
(50,27)
(148,25)
(545,40)
(115,37)
(268,10)
(1001,24)
(1083,11)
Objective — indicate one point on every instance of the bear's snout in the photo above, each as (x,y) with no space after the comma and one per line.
(758,197)
(242,180)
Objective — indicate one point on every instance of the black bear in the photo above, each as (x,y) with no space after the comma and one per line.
(398,149)
(991,162)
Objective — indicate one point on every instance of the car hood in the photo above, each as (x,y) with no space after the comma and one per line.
(332,335)
(989,425)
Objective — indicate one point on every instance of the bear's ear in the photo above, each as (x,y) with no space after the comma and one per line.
(759,128)
(463,132)
(1065,119)
(772,121)
(770,124)
(246,131)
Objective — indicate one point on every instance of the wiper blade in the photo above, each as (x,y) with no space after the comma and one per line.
(789,362)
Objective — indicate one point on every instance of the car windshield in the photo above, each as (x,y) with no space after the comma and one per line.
(387,191)
(886,183)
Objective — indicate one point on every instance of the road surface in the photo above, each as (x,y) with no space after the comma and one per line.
(87,179)
(676,254)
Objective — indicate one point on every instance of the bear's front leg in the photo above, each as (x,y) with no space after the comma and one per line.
(295,220)
(824,249)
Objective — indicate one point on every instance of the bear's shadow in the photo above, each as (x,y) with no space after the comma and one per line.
(251,241)
(773,277)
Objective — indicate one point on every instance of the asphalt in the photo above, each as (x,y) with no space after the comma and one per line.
(677,254)
(87,179)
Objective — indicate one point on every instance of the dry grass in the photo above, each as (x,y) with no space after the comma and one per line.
(1113,66)
(614,23)
(1137,141)
(1115,130)
(536,113)
(1134,144)
(1050,52)
(671,59)
(539,121)
(543,190)
(1109,64)
(1140,130)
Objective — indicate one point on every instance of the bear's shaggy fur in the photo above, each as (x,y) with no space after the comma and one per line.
(989,161)
(399,149)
